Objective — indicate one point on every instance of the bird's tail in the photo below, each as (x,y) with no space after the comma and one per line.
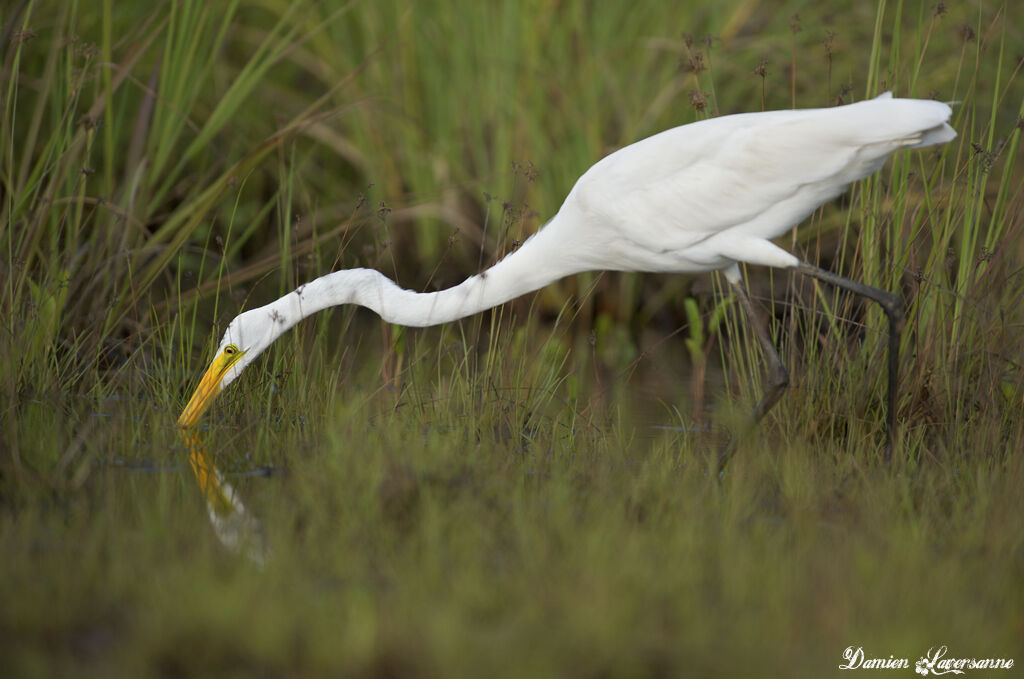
(926,118)
(936,135)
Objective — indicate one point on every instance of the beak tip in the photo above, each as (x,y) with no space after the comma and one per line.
(209,387)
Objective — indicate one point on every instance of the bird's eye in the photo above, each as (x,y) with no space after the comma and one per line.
(230,349)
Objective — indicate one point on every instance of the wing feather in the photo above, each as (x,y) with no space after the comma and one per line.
(767,171)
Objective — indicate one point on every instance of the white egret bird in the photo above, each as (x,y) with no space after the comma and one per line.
(701,197)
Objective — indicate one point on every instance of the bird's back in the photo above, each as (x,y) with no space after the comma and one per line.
(758,173)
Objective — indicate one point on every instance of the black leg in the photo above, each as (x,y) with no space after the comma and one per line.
(778,377)
(893,307)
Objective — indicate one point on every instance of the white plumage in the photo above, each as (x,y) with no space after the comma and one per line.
(696,198)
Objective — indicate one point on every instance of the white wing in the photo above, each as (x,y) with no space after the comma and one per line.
(761,173)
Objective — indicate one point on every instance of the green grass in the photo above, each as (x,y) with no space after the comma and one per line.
(528,492)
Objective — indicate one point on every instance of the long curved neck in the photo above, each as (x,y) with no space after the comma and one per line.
(541,260)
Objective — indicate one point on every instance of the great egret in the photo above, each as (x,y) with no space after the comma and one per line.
(700,197)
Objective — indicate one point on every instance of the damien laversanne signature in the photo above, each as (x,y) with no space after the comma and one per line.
(933,662)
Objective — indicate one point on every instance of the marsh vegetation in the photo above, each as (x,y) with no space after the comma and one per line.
(529,492)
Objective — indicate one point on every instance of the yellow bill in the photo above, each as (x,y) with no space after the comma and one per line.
(209,386)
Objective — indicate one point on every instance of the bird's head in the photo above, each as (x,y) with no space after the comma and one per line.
(246,337)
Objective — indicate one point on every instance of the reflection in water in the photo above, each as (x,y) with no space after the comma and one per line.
(236,529)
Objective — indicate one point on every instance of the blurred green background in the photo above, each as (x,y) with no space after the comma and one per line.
(528,492)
